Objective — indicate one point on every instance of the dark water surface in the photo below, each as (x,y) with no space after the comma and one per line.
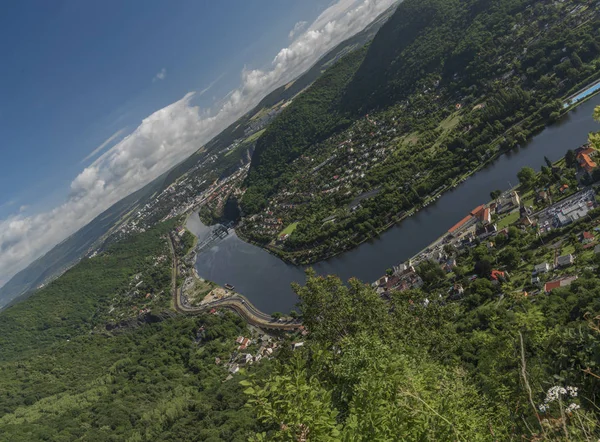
(266,280)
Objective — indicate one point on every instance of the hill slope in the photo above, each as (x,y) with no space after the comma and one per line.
(409,45)
(444,87)
(72,249)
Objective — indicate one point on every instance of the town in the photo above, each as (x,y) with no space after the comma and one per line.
(351,186)
(535,238)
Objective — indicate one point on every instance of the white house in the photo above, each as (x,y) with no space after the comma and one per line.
(565,260)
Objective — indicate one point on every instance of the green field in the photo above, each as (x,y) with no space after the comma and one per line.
(254,136)
(450,122)
(289,229)
(508,220)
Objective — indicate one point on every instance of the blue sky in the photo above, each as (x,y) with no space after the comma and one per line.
(75,72)
(97,98)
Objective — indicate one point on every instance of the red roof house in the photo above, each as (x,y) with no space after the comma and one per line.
(497,275)
(587,237)
(586,162)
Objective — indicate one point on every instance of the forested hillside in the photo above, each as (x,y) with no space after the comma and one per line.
(89,358)
(312,117)
(486,363)
(414,43)
(78,301)
(421,367)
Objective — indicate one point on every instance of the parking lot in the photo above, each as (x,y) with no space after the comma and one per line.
(566,211)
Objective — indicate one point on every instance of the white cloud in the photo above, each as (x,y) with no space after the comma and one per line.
(170,135)
(297,28)
(162,74)
(109,140)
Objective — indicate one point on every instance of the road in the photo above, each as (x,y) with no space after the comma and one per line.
(238,303)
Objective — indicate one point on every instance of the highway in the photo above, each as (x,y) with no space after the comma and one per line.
(237,303)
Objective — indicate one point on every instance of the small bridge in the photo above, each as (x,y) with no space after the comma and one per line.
(218,233)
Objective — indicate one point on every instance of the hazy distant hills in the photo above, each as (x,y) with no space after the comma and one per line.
(71,250)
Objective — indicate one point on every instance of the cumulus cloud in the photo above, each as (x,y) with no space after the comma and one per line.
(170,135)
(297,28)
(162,74)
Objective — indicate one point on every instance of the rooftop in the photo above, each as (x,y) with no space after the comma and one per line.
(586,162)
(459,224)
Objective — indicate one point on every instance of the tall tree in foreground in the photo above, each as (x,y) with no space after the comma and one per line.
(366,375)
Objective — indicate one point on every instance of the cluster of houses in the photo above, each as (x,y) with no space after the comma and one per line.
(403,277)
(544,267)
(140,292)
(336,166)
(266,222)
(181,197)
(242,356)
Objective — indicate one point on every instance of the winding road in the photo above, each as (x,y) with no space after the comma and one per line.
(238,303)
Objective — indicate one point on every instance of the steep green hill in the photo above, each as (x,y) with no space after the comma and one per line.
(409,46)
(77,302)
(414,43)
(64,376)
(312,117)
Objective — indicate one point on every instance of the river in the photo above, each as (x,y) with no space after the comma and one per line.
(265,280)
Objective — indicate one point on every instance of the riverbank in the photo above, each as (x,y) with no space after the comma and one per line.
(266,279)
(307,257)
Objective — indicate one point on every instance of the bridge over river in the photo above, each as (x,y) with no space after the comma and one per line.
(218,233)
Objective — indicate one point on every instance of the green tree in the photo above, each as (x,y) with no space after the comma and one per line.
(527,177)
(511,257)
(483,268)
(431,272)
(494,194)
(570,159)
(332,310)
(576,60)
